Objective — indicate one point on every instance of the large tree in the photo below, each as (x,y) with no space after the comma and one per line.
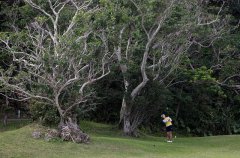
(149,39)
(56,57)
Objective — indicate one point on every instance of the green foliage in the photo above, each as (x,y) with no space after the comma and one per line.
(109,93)
(193,95)
(44,113)
(8,109)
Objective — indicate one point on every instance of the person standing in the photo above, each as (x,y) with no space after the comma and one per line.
(169,127)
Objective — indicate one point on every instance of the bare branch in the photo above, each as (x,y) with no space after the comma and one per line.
(230,77)
(24,92)
(34,5)
(213,21)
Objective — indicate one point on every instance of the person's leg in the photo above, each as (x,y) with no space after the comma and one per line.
(170,136)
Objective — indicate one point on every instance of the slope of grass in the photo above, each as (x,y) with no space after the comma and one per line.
(14,124)
(107,142)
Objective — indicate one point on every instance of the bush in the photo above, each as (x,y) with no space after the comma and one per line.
(44,113)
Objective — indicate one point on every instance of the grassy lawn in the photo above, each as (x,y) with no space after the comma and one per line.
(107,142)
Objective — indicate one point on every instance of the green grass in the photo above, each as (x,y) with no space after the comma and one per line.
(107,142)
(13,125)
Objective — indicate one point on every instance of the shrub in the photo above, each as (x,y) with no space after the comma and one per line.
(46,114)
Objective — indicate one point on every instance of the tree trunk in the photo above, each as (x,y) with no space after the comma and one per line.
(122,112)
(228,127)
(127,120)
(177,110)
(70,131)
(19,114)
(6,112)
(178,106)
(5,119)
(127,124)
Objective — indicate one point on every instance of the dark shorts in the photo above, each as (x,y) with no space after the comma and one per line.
(169,128)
